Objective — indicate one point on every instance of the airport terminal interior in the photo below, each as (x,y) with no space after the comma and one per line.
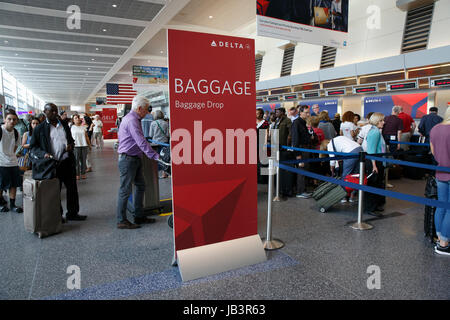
(92,57)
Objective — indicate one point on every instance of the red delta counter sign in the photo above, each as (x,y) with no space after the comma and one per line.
(109,117)
(213,138)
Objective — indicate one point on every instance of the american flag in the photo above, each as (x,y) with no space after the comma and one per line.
(119,93)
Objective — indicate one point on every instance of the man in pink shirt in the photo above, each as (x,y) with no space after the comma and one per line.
(408,128)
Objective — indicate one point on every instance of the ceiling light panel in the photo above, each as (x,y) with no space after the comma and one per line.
(129,9)
(35,21)
(6,32)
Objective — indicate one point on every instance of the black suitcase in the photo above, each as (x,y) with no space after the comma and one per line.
(428,224)
(414,172)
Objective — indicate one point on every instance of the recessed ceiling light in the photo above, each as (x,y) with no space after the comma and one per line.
(210,17)
(114,5)
(97,49)
(6,41)
(104,30)
(93,59)
(162,51)
(16,54)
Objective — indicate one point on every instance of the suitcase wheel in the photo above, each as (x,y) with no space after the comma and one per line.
(322,210)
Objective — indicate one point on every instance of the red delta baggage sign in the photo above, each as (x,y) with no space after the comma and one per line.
(213,137)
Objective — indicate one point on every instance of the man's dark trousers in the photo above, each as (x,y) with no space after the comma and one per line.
(66,173)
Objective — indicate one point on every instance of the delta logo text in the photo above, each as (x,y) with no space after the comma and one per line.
(229,44)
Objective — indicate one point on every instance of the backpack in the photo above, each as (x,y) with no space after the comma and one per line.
(16,134)
(428,225)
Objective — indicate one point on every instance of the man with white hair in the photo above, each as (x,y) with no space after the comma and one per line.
(132,146)
(392,130)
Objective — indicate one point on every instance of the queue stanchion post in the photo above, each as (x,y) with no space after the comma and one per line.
(269,242)
(277,197)
(361,225)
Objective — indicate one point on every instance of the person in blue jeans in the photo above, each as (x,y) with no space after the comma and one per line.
(440,147)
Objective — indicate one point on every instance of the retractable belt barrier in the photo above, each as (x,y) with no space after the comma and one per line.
(157,142)
(382,192)
(410,143)
(410,164)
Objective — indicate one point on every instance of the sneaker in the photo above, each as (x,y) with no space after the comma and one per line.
(351,200)
(304,195)
(17,209)
(344,200)
(127,225)
(442,250)
(388,185)
(4,209)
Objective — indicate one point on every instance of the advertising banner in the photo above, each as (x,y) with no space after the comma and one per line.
(322,22)
(108,116)
(414,104)
(150,75)
(268,107)
(213,138)
(330,105)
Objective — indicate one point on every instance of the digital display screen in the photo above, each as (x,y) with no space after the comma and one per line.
(335,92)
(366,89)
(259,100)
(272,99)
(310,94)
(290,97)
(441,82)
(401,86)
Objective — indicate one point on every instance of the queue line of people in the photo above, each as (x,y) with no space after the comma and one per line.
(373,135)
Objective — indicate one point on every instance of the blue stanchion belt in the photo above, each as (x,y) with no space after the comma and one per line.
(410,143)
(382,192)
(318,159)
(319,151)
(411,164)
(157,142)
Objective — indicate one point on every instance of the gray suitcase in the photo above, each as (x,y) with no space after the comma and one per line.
(327,195)
(151,195)
(41,206)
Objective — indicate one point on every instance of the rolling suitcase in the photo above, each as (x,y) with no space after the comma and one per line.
(41,204)
(353,178)
(327,195)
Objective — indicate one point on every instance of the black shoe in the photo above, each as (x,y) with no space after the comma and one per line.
(4,209)
(76,217)
(17,209)
(143,220)
(375,214)
(379,209)
(127,225)
(63,220)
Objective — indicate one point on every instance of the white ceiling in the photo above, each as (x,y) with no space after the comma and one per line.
(71,67)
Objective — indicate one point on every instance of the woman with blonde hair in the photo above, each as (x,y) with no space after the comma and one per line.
(440,147)
(375,144)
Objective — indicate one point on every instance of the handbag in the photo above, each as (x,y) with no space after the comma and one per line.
(24,162)
(43,168)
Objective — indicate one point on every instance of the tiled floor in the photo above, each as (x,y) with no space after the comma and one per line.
(323,257)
